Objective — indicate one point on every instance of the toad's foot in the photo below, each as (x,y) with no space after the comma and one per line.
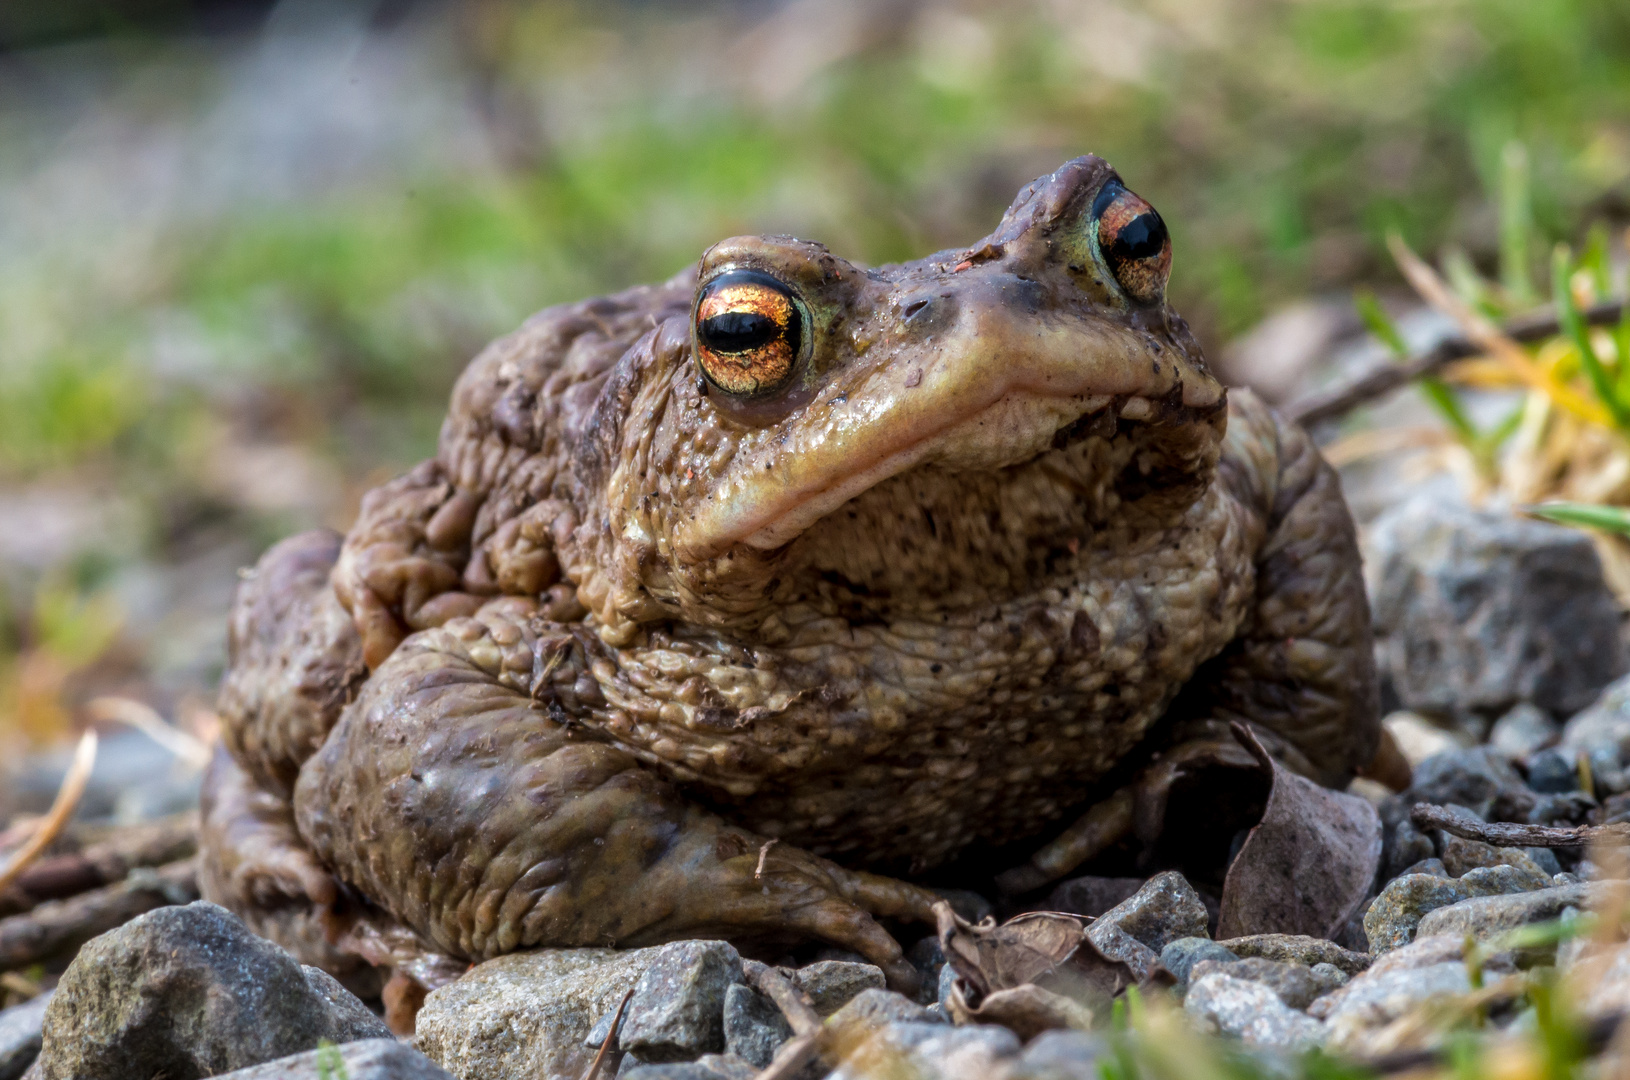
(487,821)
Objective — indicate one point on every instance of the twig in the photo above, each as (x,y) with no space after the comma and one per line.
(1511,834)
(73,786)
(763,853)
(1384,378)
(809,1034)
(141,716)
(102,863)
(793,1056)
(60,925)
(611,1037)
(787,997)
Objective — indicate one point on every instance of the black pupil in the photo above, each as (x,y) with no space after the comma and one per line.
(738,331)
(1141,238)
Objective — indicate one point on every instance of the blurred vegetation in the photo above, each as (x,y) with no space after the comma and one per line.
(601,145)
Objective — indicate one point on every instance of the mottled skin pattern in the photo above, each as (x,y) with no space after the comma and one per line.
(933,595)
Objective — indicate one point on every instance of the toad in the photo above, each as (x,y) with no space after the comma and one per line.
(739,605)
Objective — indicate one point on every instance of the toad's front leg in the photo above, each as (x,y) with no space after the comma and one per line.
(452,798)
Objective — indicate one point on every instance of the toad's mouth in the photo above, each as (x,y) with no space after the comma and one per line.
(778,496)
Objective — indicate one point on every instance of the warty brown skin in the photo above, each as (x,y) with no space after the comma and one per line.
(628,628)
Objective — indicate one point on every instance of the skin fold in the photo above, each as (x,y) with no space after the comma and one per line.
(670,641)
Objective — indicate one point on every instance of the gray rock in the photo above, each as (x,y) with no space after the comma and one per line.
(524,1016)
(1461,856)
(1180,956)
(1294,983)
(1605,724)
(1062,1055)
(1406,847)
(1499,880)
(1545,859)
(1299,949)
(366,1059)
(876,1006)
(927,957)
(1549,773)
(1607,775)
(1092,896)
(189,991)
(930,1052)
(1397,912)
(677,1011)
(1523,730)
(1482,609)
(947,977)
(965,902)
(1485,916)
(1473,779)
(1374,999)
(1251,1012)
(709,1067)
(20,1036)
(831,983)
(1434,867)
(1138,928)
(754,1028)
(1329,977)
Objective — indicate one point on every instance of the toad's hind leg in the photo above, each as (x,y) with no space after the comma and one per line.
(475,810)
(1301,671)
(293,662)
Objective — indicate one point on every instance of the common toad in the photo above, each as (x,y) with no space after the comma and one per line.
(730,603)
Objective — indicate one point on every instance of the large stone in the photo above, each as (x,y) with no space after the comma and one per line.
(1375,999)
(1294,983)
(368,1059)
(1092,896)
(1523,730)
(707,1067)
(1482,609)
(1396,913)
(1485,916)
(20,1036)
(189,992)
(1473,779)
(754,1028)
(1139,927)
(677,1011)
(1063,1054)
(1298,949)
(875,1006)
(525,1016)
(1180,956)
(1251,1012)
(1605,724)
(831,984)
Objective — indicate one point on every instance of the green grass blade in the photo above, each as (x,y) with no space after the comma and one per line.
(1614,519)
(1516,224)
(1574,326)
(1380,324)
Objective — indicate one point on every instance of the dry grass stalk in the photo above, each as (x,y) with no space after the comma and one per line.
(62,809)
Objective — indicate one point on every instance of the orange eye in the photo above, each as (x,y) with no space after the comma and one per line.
(1133,242)
(749,333)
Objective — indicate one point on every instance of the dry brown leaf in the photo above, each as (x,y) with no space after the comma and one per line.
(1309,863)
(1026,1010)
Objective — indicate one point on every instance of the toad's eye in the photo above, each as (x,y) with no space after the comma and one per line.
(749,333)
(1133,243)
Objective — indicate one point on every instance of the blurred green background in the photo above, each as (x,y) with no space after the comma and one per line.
(245,248)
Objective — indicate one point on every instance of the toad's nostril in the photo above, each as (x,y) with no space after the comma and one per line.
(914,307)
